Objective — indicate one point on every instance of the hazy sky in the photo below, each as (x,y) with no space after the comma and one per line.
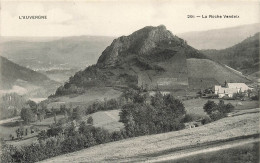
(115,18)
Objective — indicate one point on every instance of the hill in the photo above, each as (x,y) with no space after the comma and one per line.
(220,38)
(15,75)
(54,53)
(243,56)
(239,129)
(152,58)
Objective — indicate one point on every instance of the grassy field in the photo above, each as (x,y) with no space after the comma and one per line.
(107,120)
(9,126)
(90,96)
(104,119)
(241,154)
(195,106)
(143,148)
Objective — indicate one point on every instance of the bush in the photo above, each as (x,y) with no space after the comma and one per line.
(217,111)
(190,118)
(209,107)
(229,108)
(90,120)
(256,97)
(216,115)
(206,120)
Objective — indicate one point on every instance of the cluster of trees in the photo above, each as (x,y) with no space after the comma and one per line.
(34,112)
(69,89)
(128,96)
(141,115)
(246,55)
(11,105)
(111,104)
(217,111)
(91,76)
(66,140)
(162,113)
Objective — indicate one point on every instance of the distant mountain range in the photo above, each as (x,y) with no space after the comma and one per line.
(15,75)
(54,53)
(154,58)
(243,56)
(220,38)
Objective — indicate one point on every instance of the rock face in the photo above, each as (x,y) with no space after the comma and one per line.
(141,42)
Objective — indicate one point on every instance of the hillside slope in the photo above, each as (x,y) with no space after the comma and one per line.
(220,38)
(13,74)
(243,56)
(206,73)
(151,57)
(147,148)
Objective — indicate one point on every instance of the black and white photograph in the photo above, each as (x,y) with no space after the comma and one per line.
(172,81)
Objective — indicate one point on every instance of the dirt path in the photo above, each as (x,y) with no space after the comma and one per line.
(196,151)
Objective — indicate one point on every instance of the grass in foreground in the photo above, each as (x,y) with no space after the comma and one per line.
(241,154)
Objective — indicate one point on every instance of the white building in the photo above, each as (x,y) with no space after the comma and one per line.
(241,87)
(230,89)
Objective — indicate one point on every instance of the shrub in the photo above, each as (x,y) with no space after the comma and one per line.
(229,108)
(209,107)
(217,111)
(206,120)
(90,120)
(190,118)
(216,115)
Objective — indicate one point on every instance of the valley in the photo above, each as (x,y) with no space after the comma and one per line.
(145,97)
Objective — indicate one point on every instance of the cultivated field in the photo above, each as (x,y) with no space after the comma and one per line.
(230,130)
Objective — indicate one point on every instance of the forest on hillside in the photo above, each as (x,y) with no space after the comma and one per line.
(243,56)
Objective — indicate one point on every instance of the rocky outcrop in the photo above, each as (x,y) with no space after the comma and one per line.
(141,42)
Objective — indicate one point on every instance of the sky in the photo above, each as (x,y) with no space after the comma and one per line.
(116,18)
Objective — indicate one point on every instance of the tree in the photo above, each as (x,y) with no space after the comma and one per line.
(210,107)
(27,115)
(77,114)
(164,114)
(32,104)
(90,120)
(63,109)
(42,135)
(216,115)
(205,120)
(229,108)
(55,118)
(41,114)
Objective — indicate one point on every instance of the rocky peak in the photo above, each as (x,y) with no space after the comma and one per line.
(141,42)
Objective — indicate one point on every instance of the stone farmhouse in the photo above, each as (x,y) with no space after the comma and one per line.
(230,89)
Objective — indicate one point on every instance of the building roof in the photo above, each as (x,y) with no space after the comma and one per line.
(237,85)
